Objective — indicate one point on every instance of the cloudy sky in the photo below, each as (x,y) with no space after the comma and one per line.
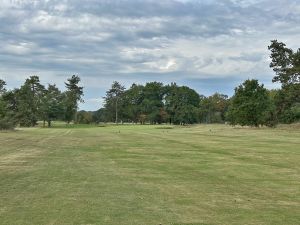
(207,45)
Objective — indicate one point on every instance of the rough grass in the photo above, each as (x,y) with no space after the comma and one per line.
(140,175)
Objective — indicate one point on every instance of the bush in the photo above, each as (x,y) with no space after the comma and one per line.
(291,115)
(6,124)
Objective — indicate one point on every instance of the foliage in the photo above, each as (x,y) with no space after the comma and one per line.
(250,105)
(29,98)
(52,104)
(152,102)
(287,102)
(182,104)
(84,117)
(285,63)
(132,100)
(156,103)
(6,116)
(99,116)
(6,123)
(112,99)
(73,95)
(32,102)
(212,109)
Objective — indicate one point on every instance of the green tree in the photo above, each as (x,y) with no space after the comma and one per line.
(29,98)
(213,108)
(181,104)
(152,101)
(6,116)
(113,100)
(132,100)
(287,101)
(52,104)
(285,63)
(99,116)
(84,117)
(73,95)
(250,105)
(11,101)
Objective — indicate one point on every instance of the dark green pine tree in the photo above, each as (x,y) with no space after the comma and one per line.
(73,96)
(285,63)
(29,98)
(6,115)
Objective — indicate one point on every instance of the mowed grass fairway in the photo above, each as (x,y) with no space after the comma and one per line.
(204,174)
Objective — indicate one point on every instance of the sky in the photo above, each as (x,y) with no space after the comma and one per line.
(210,46)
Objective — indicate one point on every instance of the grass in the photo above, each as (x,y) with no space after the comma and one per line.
(139,175)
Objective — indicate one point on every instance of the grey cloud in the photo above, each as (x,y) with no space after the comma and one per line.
(139,40)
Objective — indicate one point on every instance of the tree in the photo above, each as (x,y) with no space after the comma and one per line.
(152,101)
(7,120)
(52,104)
(11,101)
(99,116)
(113,99)
(285,63)
(213,108)
(3,122)
(132,100)
(182,104)
(286,101)
(250,105)
(84,117)
(29,101)
(73,95)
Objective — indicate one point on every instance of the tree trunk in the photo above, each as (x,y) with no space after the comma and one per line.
(49,123)
(116,111)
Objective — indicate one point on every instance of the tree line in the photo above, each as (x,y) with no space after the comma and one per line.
(252,104)
(155,103)
(34,102)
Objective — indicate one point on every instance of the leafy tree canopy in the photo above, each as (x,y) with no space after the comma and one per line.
(285,63)
(250,104)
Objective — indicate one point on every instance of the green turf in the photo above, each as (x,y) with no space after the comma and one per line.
(212,174)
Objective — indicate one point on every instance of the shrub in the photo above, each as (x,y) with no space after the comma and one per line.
(6,124)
